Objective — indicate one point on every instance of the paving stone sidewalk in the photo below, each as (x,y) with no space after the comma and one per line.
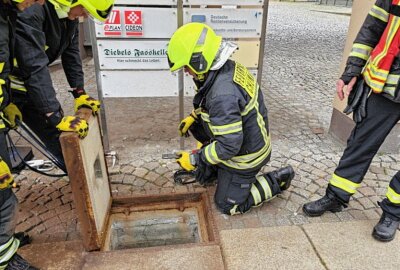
(302,56)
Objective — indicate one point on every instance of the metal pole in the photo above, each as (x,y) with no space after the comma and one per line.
(262,42)
(180,76)
(103,122)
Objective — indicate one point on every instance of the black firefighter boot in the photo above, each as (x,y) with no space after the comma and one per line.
(284,177)
(327,203)
(18,263)
(386,228)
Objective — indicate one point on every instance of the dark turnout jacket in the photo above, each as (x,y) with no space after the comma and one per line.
(235,117)
(42,38)
(8,16)
(365,45)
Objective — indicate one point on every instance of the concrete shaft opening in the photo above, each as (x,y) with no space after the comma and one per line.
(153,228)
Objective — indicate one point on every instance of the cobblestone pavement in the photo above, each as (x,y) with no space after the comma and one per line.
(302,56)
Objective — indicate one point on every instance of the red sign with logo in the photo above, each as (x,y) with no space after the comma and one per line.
(133,23)
(112,26)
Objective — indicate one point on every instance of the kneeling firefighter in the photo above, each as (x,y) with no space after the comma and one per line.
(45,33)
(229,119)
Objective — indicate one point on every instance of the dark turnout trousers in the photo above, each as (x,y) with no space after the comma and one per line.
(362,145)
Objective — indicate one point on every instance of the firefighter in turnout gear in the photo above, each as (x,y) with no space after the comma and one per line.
(229,119)
(372,77)
(45,33)
(9,243)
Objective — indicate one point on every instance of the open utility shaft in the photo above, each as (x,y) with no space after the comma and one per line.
(131,222)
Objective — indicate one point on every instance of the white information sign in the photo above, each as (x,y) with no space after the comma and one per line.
(132,54)
(148,3)
(139,22)
(229,23)
(124,83)
(224,2)
(190,87)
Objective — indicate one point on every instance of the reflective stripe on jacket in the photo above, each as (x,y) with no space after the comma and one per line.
(235,116)
(41,39)
(382,56)
(375,51)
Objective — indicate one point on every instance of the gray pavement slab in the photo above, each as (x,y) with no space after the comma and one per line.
(268,248)
(349,245)
(195,258)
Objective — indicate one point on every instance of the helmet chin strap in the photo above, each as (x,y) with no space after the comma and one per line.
(201,77)
(62,11)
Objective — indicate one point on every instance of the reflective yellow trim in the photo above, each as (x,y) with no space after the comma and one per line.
(205,117)
(6,245)
(378,73)
(379,13)
(12,249)
(248,161)
(394,26)
(250,157)
(361,51)
(2,117)
(389,90)
(256,194)
(267,189)
(245,79)
(226,129)
(393,196)
(2,66)
(234,211)
(254,159)
(2,82)
(17,84)
(376,87)
(15,62)
(251,104)
(211,154)
(393,79)
(344,184)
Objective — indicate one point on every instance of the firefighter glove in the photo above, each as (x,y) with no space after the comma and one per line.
(12,112)
(186,123)
(186,160)
(357,101)
(6,178)
(75,124)
(88,102)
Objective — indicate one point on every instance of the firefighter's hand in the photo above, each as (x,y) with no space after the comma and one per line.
(12,112)
(357,101)
(184,161)
(6,178)
(75,124)
(186,123)
(340,88)
(88,102)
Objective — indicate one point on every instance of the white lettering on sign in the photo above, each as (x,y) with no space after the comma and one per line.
(133,23)
(112,26)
